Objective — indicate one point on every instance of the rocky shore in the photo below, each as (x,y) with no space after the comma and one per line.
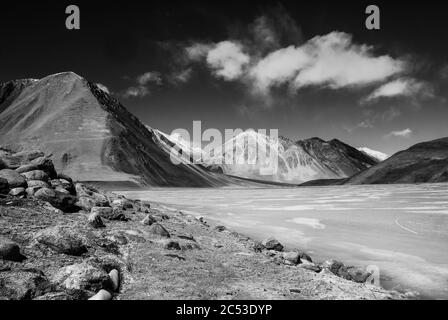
(63,240)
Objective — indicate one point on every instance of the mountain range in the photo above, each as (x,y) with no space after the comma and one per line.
(92,136)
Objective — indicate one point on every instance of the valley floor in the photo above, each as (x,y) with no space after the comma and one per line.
(212,263)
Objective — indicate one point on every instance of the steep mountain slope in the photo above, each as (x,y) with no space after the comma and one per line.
(90,134)
(423,162)
(377,155)
(292,162)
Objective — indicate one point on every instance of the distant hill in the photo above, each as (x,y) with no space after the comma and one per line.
(423,162)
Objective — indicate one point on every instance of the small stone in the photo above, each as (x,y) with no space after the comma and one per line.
(333,266)
(102,295)
(45,164)
(220,228)
(272,244)
(190,245)
(10,250)
(31,191)
(109,213)
(17,192)
(171,245)
(86,203)
(114,276)
(95,220)
(159,230)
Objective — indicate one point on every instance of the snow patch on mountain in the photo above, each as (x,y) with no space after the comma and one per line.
(377,155)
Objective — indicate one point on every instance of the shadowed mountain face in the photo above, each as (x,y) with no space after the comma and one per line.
(91,136)
(423,162)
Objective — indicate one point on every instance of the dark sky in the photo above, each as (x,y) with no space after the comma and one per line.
(120,41)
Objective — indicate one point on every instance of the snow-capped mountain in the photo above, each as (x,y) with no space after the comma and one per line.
(378,155)
(282,160)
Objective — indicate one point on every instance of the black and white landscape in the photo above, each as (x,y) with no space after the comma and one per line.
(94,203)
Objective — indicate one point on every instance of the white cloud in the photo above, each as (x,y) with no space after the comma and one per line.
(227,60)
(103,87)
(181,76)
(136,92)
(337,62)
(149,77)
(401,87)
(406,133)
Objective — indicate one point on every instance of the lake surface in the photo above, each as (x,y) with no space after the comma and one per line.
(401,229)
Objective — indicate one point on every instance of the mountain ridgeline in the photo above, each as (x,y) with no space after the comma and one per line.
(91,136)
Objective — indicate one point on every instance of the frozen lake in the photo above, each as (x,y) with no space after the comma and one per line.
(402,229)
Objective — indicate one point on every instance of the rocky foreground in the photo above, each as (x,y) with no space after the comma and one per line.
(62,240)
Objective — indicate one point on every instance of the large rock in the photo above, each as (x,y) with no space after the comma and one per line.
(23,285)
(82,276)
(62,240)
(17,192)
(45,164)
(148,220)
(122,203)
(158,230)
(292,257)
(64,202)
(26,168)
(272,244)
(10,250)
(83,190)
(14,161)
(333,266)
(36,175)
(353,273)
(15,180)
(45,194)
(4,186)
(30,191)
(86,203)
(37,183)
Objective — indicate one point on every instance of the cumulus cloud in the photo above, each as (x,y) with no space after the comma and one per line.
(331,60)
(401,87)
(103,87)
(406,133)
(227,60)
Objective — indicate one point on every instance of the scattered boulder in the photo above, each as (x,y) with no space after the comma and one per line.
(189,245)
(304,256)
(26,167)
(333,266)
(311,266)
(45,164)
(23,284)
(15,180)
(159,230)
(45,194)
(258,246)
(62,190)
(148,220)
(95,220)
(9,250)
(292,257)
(353,274)
(86,203)
(17,192)
(272,244)
(65,177)
(36,175)
(62,240)
(109,213)
(122,203)
(37,183)
(30,191)
(82,276)
(27,156)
